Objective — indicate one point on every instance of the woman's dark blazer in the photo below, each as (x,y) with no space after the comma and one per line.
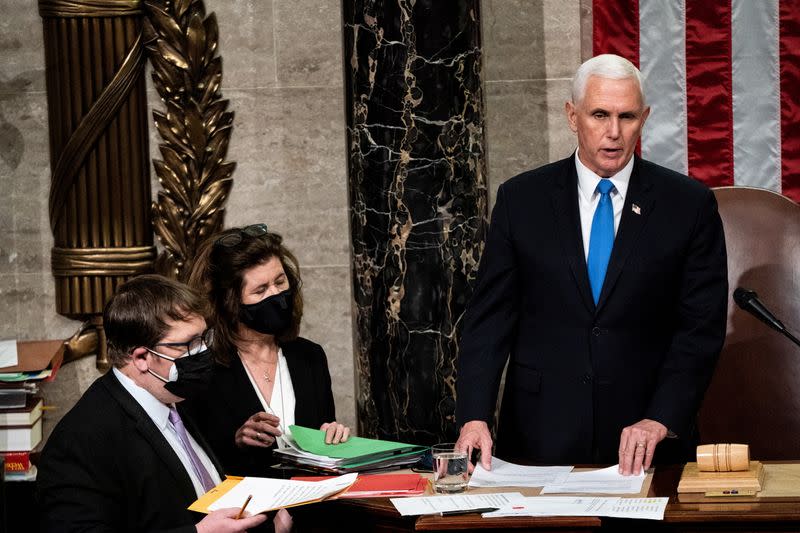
(231,400)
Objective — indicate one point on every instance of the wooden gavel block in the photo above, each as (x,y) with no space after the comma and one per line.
(723,457)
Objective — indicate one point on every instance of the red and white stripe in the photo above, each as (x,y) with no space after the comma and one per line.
(722,78)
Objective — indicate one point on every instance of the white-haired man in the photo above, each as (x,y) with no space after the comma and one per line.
(604,285)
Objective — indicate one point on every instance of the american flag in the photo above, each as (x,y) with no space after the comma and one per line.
(722,78)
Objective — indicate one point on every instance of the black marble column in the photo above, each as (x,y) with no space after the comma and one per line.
(418,204)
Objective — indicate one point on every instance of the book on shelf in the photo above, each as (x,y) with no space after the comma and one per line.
(16,461)
(23,416)
(21,437)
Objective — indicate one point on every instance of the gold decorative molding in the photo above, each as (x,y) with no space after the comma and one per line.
(89,8)
(99,203)
(91,126)
(195,128)
(102,261)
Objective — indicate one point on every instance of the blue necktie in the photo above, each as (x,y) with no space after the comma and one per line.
(601,239)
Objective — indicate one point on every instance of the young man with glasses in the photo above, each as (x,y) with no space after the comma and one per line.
(124,459)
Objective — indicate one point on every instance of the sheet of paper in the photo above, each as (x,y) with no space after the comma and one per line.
(269,494)
(8,353)
(641,508)
(505,474)
(602,481)
(455,502)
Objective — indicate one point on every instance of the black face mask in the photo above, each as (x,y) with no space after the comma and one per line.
(190,376)
(271,316)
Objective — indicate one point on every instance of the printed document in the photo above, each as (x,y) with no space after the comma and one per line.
(505,474)
(641,508)
(454,502)
(269,494)
(602,481)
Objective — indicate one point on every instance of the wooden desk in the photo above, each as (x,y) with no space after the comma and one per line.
(745,514)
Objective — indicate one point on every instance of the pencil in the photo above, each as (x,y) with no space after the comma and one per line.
(241,511)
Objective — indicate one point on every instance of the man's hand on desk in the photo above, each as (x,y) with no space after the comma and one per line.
(637,445)
(475,435)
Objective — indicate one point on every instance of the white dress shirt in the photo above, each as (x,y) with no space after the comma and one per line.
(282,401)
(588,197)
(159,413)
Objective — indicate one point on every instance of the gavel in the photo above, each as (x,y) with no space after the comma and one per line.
(723,457)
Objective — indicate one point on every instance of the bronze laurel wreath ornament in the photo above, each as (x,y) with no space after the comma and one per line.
(195,128)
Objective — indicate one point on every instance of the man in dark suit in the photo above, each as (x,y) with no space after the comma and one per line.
(124,459)
(603,283)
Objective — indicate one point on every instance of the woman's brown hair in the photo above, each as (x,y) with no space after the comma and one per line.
(218,272)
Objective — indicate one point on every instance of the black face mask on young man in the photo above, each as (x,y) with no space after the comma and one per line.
(190,375)
(271,316)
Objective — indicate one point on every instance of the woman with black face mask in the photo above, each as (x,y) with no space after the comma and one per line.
(265,377)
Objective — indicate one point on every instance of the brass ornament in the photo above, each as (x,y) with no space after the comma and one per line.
(195,128)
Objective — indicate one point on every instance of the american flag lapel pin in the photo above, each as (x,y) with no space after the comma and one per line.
(636,209)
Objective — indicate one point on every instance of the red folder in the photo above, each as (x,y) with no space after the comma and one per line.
(380,485)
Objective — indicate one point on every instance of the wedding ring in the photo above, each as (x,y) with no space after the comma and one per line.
(258,435)
(640,444)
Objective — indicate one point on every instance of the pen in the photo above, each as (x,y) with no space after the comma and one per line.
(241,511)
(468,511)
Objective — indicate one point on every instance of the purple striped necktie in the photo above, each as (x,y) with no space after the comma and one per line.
(199,469)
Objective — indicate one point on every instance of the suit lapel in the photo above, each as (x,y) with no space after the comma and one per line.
(565,205)
(639,203)
(149,431)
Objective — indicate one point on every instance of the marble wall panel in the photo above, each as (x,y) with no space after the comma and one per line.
(414,102)
(327,321)
(562,34)
(9,306)
(308,42)
(513,41)
(246,42)
(24,166)
(517,129)
(562,142)
(21,50)
(290,172)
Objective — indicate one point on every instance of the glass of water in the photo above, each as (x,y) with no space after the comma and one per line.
(449,468)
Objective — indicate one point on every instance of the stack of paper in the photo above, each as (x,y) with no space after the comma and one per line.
(268,494)
(307,448)
(602,481)
(505,474)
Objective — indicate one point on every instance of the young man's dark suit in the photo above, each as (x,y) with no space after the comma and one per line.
(578,372)
(107,467)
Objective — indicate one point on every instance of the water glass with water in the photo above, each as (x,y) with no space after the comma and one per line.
(449,468)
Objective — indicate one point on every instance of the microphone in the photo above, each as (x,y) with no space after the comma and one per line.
(747,300)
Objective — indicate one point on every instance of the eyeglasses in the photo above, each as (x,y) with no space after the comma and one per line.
(233,239)
(195,345)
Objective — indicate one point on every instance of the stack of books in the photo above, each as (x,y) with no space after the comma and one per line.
(20,434)
(306,448)
(23,366)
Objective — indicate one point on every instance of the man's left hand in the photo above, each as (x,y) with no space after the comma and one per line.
(637,445)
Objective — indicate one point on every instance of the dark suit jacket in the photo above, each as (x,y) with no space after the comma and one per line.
(231,400)
(578,372)
(107,467)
